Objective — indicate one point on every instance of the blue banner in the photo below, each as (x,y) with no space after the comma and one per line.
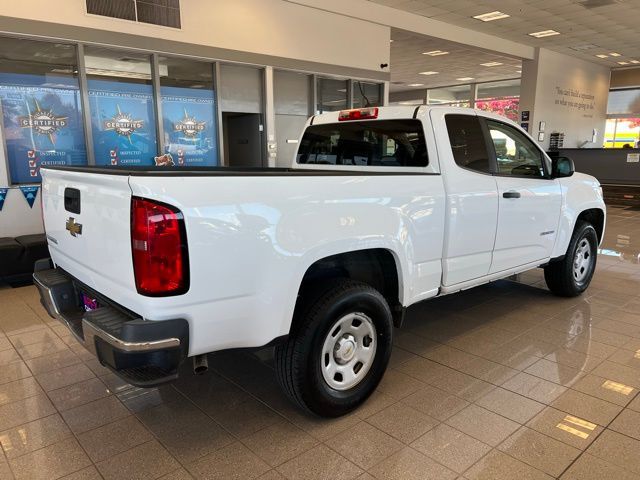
(30,194)
(3,196)
(189,122)
(42,119)
(123,122)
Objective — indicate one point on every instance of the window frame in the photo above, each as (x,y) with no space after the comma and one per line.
(492,149)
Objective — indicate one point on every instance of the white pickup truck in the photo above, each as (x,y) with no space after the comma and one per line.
(383,208)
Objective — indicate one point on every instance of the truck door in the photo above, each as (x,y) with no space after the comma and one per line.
(530,201)
(471,192)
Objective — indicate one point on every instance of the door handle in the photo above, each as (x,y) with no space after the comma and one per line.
(511,194)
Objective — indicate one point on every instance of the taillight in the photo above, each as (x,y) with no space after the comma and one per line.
(358,114)
(159,246)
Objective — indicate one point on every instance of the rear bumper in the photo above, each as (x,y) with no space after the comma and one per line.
(144,353)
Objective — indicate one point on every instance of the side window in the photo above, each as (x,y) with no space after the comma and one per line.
(467,142)
(515,153)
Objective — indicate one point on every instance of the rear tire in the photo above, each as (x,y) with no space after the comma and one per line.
(572,275)
(338,349)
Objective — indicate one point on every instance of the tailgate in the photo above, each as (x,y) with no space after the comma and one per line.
(91,239)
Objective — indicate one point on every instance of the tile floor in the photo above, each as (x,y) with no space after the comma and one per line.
(504,381)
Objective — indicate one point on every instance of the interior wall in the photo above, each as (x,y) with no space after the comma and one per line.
(568,94)
(270,27)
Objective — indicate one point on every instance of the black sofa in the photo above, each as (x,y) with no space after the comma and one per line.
(18,256)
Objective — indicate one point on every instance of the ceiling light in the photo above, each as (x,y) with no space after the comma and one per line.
(635,62)
(519,71)
(415,84)
(491,64)
(429,73)
(489,17)
(435,53)
(464,79)
(602,55)
(614,54)
(623,63)
(544,33)
(391,41)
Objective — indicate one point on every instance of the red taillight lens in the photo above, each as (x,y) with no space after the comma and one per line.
(358,114)
(159,246)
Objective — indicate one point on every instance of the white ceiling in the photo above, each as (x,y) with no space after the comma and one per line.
(587,27)
(407,60)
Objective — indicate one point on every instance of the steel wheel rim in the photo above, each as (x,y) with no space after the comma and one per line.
(582,261)
(348,351)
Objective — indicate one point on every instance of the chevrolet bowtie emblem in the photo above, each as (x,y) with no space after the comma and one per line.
(74,228)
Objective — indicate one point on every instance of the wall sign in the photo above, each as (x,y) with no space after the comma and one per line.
(189,122)
(524,116)
(633,157)
(42,122)
(123,123)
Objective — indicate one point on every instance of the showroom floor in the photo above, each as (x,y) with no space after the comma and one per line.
(500,382)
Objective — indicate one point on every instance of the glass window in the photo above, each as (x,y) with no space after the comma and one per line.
(366,94)
(456,96)
(622,133)
(624,102)
(332,95)
(188,111)
(467,142)
(122,109)
(515,153)
(502,98)
(385,143)
(41,110)
(241,89)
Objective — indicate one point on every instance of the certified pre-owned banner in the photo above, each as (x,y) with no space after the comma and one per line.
(189,126)
(42,123)
(122,123)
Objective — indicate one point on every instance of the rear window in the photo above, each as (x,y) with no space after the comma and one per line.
(378,143)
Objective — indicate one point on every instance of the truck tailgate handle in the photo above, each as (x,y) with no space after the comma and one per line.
(511,194)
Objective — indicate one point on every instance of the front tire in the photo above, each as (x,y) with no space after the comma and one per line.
(572,275)
(338,349)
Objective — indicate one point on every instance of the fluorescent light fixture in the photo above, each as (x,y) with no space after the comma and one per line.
(491,16)
(415,84)
(623,63)
(635,62)
(464,79)
(602,55)
(615,54)
(518,71)
(491,64)
(429,73)
(544,33)
(435,53)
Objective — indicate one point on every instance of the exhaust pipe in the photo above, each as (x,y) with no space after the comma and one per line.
(200,364)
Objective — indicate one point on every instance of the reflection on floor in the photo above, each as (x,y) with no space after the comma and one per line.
(504,381)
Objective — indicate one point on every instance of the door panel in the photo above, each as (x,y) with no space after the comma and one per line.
(529,201)
(526,224)
(472,196)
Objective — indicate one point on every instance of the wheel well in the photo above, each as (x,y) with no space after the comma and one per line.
(375,267)
(595,217)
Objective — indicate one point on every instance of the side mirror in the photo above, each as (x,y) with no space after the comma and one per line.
(562,167)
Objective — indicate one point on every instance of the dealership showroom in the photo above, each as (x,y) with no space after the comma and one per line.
(320,239)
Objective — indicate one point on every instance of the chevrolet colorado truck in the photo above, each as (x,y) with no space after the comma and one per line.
(382,208)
